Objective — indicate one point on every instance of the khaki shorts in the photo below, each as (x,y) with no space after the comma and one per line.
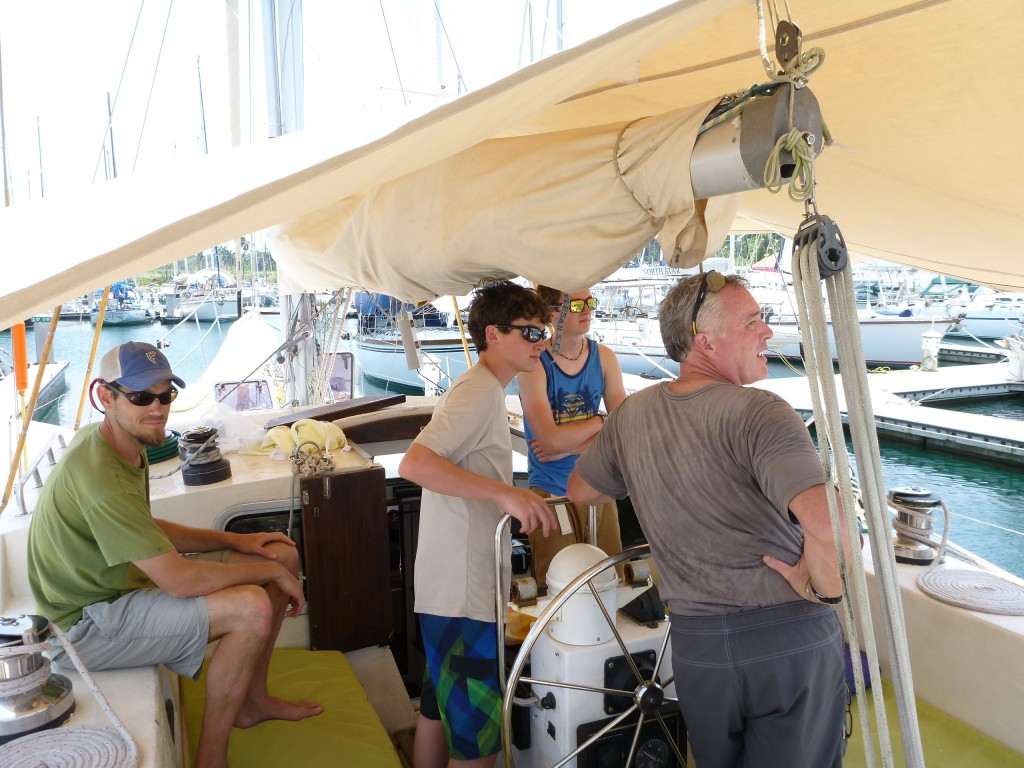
(144,627)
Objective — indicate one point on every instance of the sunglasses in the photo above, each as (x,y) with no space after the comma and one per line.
(711,281)
(576,305)
(531,334)
(143,399)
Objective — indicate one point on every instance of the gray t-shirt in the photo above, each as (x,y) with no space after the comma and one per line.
(454,573)
(711,475)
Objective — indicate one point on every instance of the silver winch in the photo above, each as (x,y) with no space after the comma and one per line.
(912,522)
(203,461)
(31,697)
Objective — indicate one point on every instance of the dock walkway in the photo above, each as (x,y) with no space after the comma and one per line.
(901,402)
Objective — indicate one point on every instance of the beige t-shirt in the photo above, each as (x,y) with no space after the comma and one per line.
(454,573)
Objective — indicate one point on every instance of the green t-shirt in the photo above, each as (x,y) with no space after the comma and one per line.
(91,522)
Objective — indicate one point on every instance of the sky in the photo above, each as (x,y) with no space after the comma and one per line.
(367,64)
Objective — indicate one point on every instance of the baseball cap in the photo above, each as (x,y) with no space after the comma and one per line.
(136,365)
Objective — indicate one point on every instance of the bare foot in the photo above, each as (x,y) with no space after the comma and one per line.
(276,709)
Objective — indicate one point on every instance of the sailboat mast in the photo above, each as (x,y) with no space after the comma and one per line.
(3,138)
(39,147)
(282,53)
(110,133)
(202,109)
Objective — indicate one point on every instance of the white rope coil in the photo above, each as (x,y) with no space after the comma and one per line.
(77,746)
(311,463)
(975,591)
(69,747)
(30,682)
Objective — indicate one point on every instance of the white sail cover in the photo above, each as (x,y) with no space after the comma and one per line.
(614,187)
(926,170)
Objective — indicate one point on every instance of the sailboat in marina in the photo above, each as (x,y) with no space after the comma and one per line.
(555,174)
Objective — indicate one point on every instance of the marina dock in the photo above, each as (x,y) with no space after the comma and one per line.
(903,405)
(962,353)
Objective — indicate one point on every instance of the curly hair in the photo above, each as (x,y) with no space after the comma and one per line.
(502,302)
(551,296)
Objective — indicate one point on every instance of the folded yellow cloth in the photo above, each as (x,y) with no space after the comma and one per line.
(325,434)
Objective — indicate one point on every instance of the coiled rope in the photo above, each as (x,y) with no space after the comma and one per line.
(973,590)
(74,746)
(306,463)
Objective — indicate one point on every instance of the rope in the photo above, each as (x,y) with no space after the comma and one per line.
(800,145)
(853,370)
(311,463)
(73,746)
(821,382)
(34,680)
(973,590)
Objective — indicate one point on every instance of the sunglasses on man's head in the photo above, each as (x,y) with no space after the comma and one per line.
(531,334)
(143,399)
(711,281)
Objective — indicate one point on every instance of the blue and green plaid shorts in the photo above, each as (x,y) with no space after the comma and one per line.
(460,683)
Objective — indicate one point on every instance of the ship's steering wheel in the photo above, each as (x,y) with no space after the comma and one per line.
(645,700)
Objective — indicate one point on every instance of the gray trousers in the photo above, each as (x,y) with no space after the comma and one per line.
(762,688)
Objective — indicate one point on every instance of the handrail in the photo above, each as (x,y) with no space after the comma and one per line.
(32,469)
(500,598)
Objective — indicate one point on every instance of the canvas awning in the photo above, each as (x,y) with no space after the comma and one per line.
(925,171)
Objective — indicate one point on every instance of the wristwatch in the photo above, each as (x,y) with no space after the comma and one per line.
(823,599)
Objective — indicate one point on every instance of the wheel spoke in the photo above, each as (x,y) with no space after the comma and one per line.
(615,632)
(670,738)
(636,740)
(594,737)
(576,687)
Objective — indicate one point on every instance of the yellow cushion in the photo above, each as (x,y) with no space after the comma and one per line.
(348,732)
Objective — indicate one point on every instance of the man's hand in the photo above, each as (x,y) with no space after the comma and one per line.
(256,543)
(529,509)
(291,587)
(538,451)
(798,577)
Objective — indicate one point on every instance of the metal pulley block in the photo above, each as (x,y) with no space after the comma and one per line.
(820,232)
(787,45)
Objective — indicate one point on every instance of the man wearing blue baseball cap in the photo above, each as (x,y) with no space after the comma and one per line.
(112,577)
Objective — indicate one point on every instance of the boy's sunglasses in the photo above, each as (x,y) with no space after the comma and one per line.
(143,399)
(531,334)
(712,281)
(576,305)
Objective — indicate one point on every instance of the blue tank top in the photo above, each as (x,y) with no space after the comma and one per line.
(572,398)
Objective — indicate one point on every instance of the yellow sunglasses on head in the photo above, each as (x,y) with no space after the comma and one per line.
(712,281)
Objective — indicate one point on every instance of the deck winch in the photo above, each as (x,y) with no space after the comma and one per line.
(31,697)
(912,540)
(203,461)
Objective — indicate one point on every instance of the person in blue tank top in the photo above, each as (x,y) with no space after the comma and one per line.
(561,401)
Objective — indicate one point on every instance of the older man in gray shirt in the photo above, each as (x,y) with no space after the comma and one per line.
(729,491)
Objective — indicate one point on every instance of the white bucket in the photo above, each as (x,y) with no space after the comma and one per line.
(579,621)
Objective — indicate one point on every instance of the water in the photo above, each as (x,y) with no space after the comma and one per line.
(988,517)
(192,348)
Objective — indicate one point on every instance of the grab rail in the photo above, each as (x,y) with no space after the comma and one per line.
(500,594)
(33,471)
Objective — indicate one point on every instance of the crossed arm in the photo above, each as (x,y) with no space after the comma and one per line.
(553,441)
(182,578)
